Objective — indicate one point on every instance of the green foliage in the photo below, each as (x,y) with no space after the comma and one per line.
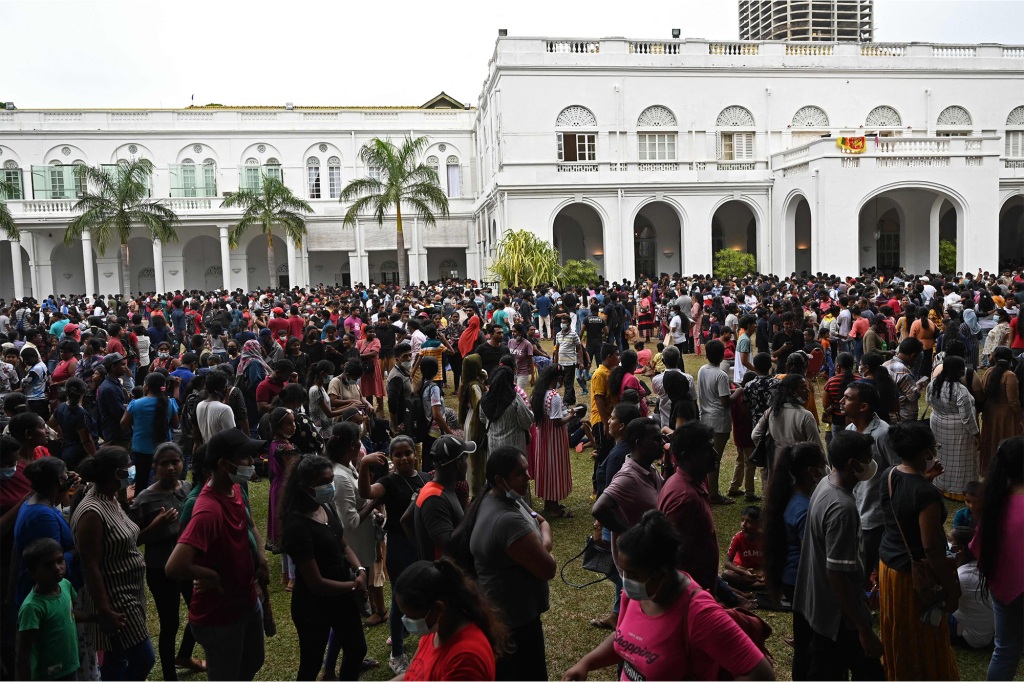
(947,257)
(403,181)
(729,263)
(7,226)
(272,205)
(525,258)
(579,273)
(114,203)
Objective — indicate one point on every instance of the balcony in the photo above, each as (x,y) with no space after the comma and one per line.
(885,153)
(56,182)
(190,181)
(250,177)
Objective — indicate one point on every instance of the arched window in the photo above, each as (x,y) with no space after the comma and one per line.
(881,118)
(449,269)
(454,177)
(1015,134)
(576,132)
(389,272)
(188,177)
(251,175)
(209,178)
(737,142)
(433,163)
(808,124)
(656,135)
(334,176)
(273,168)
(12,176)
(313,177)
(954,121)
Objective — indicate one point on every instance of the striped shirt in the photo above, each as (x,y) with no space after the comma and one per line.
(122,567)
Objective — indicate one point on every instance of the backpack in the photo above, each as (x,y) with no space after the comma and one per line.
(190,324)
(420,419)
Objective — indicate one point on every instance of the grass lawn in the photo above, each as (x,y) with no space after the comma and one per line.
(568,634)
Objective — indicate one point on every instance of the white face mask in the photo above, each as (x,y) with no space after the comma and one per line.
(867,471)
(8,472)
(324,493)
(407,366)
(634,589)
(242,474)
(417,627)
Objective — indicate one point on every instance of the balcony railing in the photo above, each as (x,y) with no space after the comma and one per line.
(896,152)
(251,177)
(190,180)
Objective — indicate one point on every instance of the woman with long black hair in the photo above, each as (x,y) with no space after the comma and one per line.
(73,424)
(798,469)
(623,378)
(925,331)
(553,473)
(1001,413)
(328,575)
(460,632)
(507,418)
(150,419)
(997,544)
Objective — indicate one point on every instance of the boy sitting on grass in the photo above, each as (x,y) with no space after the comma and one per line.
(743,561)
(47,638)
(968,515)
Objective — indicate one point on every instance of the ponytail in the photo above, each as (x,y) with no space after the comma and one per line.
(156,384)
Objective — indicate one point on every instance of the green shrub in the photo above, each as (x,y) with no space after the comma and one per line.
(729,263)
(947,257)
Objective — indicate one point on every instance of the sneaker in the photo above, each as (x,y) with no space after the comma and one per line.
(399,664)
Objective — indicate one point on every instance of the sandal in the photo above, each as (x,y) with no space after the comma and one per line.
(192,665)
(376,619)
(607,622)
(559,512)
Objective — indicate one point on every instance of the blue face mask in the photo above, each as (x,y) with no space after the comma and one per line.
(8,472)
(512,495)
(417,627)
(324,493)
(635,590)
(127,481)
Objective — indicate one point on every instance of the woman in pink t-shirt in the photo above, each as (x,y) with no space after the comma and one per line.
(669,628)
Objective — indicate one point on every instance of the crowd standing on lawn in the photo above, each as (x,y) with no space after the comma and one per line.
(139,422)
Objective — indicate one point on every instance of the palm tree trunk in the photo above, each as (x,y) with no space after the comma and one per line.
(403,263)
(126,272)
(271,265)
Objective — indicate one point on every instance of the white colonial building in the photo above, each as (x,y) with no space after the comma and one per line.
(644,156)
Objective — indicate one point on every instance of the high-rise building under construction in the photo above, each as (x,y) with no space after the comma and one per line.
(817,20)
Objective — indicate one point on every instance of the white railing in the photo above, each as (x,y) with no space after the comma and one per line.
(193,115)
(653,48)
(574,46)
(849,162)
(129,116)
(888,145)
(380,114)
(258,115)
(744,49)
(62,116)
(798,169)
(1013,163)
(912,162)
(975,161)
(880,50)
(46,206)
(793,155)
(1013,52)
(188,204)
(577,167)
(319,115)
(808,50)
(658,166)
(972,145)
(954,51)
(736,165)
(616,167)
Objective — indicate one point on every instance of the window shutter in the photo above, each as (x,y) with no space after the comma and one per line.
(1015,144)
(744,145)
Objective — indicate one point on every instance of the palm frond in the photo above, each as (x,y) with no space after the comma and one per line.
(7,226)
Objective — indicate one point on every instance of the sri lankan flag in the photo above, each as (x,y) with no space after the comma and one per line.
(852,145)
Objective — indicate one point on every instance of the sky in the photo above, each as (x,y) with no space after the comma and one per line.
(159,53)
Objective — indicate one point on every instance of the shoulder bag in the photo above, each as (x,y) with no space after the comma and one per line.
(926,584)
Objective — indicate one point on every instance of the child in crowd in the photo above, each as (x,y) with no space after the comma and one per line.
(744,558)
(643,356)
(47,638)
(966,516)
(972,624)
(826,346)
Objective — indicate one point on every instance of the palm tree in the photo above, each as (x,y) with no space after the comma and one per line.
(7,226)
(269,205)
(119,203)
(402,180)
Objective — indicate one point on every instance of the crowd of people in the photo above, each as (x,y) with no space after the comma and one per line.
(134,427)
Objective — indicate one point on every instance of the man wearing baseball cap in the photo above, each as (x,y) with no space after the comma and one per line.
(438,510)
(111,400)
(214,552)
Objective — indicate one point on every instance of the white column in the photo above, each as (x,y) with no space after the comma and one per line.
(17,269)
(158,265)
(90,263)
(225,257)
(293,276)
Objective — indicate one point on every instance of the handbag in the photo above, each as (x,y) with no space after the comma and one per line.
(766,447)
(596,559)
(926,584)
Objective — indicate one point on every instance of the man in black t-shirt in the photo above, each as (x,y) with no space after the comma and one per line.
(594,329)
(493,349)
(786,341)
(438,511)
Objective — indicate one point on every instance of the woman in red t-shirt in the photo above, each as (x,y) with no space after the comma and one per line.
(460,632)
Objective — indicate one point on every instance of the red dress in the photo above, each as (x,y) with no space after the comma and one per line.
(553,469)
(371,385)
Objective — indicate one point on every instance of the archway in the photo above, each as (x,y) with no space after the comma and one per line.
(1011,233)
(256,258)
(7,271)
(901,229)
(798,225)
(201,255)
(578,234)
(734,227)
(67,266)
(657,232)
(140,258)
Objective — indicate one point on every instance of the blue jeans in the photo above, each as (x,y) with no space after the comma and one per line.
(401,554)
(234,651)
(132,663)
(616,579)
(1009,638)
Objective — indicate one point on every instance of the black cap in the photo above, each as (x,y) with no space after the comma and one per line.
(448,448)
(233,443)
